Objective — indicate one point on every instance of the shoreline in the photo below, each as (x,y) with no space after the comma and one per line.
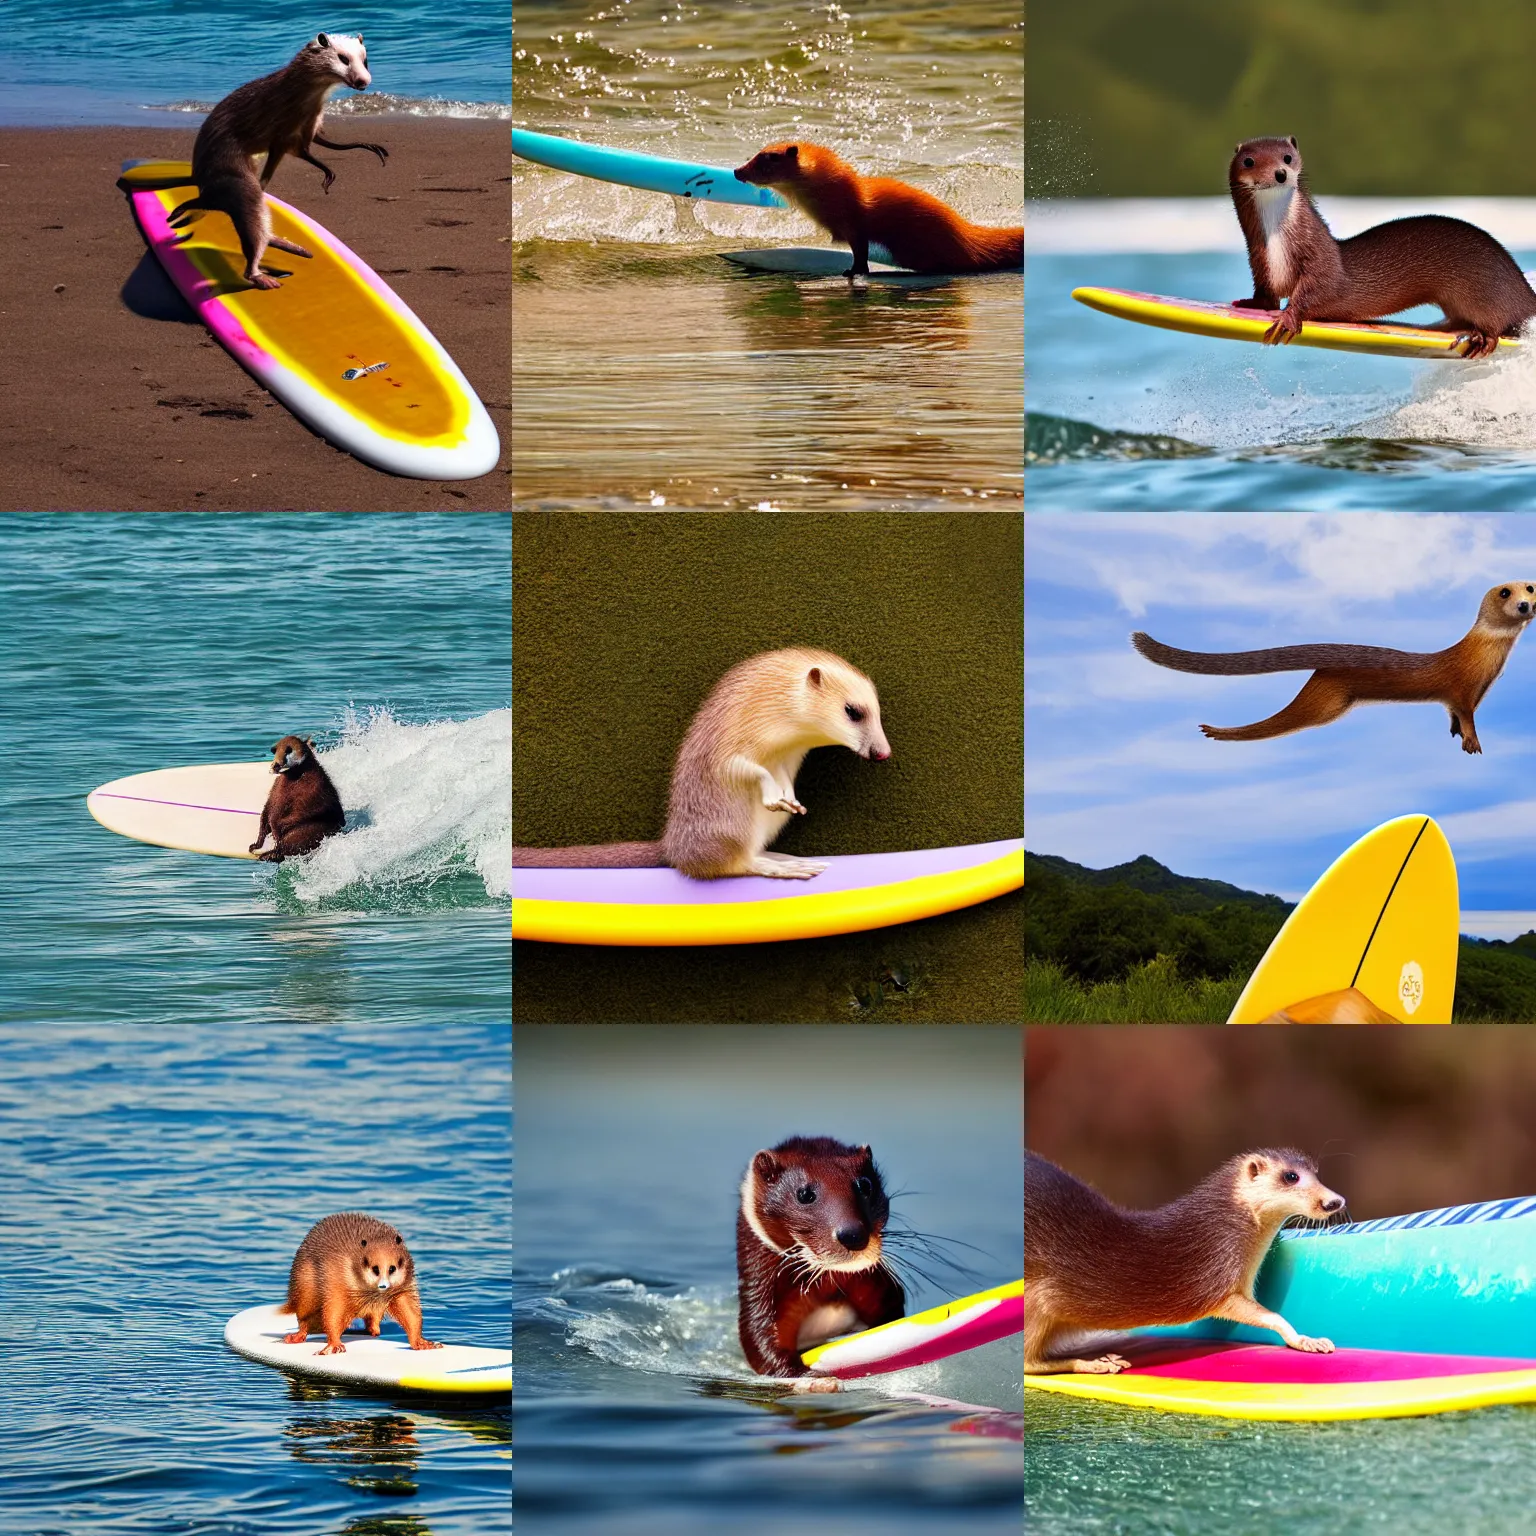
(138,409)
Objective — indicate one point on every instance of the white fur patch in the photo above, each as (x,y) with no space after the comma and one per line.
(1276,205)
(828,1322)
(749,1210)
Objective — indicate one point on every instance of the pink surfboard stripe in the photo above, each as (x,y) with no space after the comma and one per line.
(1270,1364)
(184,805)
(998,1321)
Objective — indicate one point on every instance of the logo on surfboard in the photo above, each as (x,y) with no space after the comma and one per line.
(1410,986)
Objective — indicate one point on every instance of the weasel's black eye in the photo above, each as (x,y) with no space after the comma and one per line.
(391,1269)
(1287,159)
(1290,1176)
(864,1186)
(1248,161)
(806,1196)
(1504,591)
(853,712)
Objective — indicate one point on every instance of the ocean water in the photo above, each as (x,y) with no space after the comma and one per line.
(1125,416)
(199,1057)
(92,64)
(635,1409)
(649,371)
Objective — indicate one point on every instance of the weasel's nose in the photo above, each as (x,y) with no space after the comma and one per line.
(1279,175)
(1525,607)
(879,755)
(738,175)
(1333,1204)
(854,1236)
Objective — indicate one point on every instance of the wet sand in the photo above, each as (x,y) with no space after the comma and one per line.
(116,398)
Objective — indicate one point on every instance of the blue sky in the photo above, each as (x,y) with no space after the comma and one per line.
(1115,764)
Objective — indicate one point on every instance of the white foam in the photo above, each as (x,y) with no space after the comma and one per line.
(424,803)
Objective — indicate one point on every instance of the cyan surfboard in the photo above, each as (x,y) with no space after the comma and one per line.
(648,173)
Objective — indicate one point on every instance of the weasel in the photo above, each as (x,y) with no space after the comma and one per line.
(733,784)
(1092,1267)
(808,1252)
(349,1266)
(1392,267)
(917,229)
(303,808)
(1345,675)
(276,115)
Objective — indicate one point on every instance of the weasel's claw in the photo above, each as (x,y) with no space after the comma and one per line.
(1105,1365)
(1313,1346)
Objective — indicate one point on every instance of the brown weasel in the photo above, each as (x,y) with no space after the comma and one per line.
(1349,1006)
(733,784)
(276,115)
(351,1265)
(808,1252)
(1345,675)
(917,229)
(303,808)
(1091,1266)
(1426,260)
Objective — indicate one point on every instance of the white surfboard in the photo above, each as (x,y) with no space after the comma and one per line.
(214,808)
(818,261)
(386,1362)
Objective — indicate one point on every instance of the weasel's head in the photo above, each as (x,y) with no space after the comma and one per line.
(381,1262)
(819,1200)
(1509,607)
(842,705)
(340,56)
(775,166)
(1264,165)
(291,754)
(1275,1185)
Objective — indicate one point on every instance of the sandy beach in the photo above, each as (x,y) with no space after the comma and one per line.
(118,399)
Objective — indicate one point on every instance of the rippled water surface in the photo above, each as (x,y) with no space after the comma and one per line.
(203,1056)
(648,368)
(1124,415)
(631,1144)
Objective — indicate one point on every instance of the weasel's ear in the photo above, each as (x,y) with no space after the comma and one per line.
(309,741)
(766,1166)
(276,745)
(813,677)
(1294,144)
(793,152)
(322,41)
(1255,1166)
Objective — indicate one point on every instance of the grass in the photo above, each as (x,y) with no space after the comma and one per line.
(1151,993)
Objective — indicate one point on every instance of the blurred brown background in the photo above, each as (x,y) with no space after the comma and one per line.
(1398,1119)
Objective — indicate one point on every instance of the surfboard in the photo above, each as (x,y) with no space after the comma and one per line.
(1383,918)
(387,1362)
(647,173)
(818,261)
(335,343)
(925,1337)
(1267,1381)
(1380,338)
(663,907)
(214,808)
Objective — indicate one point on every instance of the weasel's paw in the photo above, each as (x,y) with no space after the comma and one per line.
(786,803)
(817,1384)
(332,1349)
(425,1344)
(1286,329)
(1313,1346)
(296,1338)
(261,280)
(792,869)
(1471,744)
(1105,1365)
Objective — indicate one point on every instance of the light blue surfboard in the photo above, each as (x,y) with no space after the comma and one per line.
(648,173)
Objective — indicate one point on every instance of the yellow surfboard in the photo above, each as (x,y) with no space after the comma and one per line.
(1383,919)
(1381,338)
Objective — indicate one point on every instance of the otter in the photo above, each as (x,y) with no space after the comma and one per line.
(1091,1266)
(303,808)
(1430,259)
(808,1253)
(733,783)
(351,1265)
(919,231)
(276,115)
(1457,677)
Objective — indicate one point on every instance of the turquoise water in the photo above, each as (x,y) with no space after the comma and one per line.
(203,1056)
(636,1411)
(92,64)
(1097,1467)
(1125,416)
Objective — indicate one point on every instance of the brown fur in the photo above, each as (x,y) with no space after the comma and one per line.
(780,1282)
(917,229)
(1457,677)
(1349,1006)
(733,783)
(336,1275)
(1454,265)
(1092,1266)
(278,115)
(303,808)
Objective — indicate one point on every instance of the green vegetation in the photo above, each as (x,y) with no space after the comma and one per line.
(1145,98)
(1139,944)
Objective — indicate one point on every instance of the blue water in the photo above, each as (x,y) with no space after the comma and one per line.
(202,1056)
(97,62)
(1127,416)
(635,1410)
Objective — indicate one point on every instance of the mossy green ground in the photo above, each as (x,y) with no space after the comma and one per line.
(623,621)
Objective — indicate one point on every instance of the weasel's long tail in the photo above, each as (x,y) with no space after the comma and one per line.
(592,856)
(1279,658)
